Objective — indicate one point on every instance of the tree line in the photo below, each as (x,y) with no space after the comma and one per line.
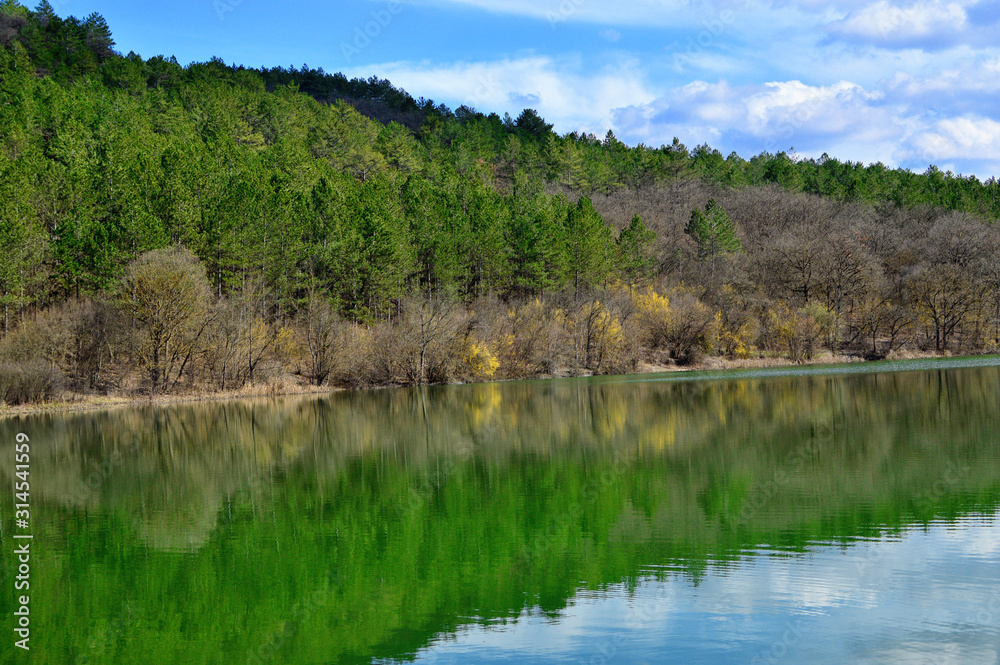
(166,227)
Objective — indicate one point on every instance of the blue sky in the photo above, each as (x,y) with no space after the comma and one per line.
(904,82)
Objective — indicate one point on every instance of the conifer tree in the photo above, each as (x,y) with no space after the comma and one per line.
(635,251)
(714,232)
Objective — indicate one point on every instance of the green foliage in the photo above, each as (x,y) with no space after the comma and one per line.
(369,198)
(300,182)
(635,251)
(532,124)
(588,244)
(713,231)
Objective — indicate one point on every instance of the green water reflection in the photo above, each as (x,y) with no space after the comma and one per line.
(360,526)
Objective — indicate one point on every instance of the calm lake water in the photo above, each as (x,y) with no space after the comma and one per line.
(843,515)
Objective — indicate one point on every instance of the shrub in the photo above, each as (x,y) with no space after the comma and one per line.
(605,347)
(799,331)
(322,333)
(31,381)
(423,345)
(80,337)
(680,324)
(363,362)
(479,363)
(428,340)
(533,340)
(166,293)
(236,341)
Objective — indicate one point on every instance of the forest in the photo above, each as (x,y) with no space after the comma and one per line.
(169,228)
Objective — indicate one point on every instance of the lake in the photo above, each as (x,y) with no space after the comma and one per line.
(835,515)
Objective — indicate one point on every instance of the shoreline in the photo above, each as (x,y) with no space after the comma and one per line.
(80,402)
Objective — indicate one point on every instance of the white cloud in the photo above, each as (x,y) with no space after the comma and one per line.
(966,137)
(884,21)
(965,76)
(564,94)
(611,35)
(635,12)
(792,104)
(907,121)
(858,102)
(773,116)
(650,12)
(921,596)
(904,121)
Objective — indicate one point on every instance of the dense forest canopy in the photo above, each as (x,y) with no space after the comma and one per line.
(301,196)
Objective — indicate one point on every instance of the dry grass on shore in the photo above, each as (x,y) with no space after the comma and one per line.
(72,402)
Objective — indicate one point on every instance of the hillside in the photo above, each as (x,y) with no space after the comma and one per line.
(177,228)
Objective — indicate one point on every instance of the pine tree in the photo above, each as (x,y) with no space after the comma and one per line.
(99,39)
(44,11)
(714,232)
(588,243)
(635,251)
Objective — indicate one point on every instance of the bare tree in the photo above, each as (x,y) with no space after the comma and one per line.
(166,293)
(945,295)
(323,330)
(428,328)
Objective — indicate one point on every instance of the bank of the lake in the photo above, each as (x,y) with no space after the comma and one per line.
(70,402)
